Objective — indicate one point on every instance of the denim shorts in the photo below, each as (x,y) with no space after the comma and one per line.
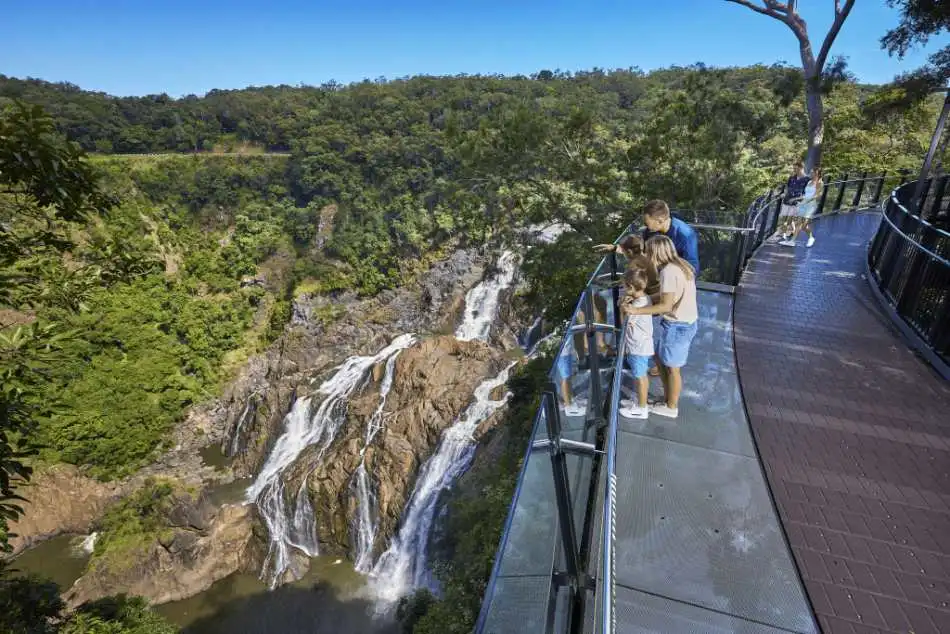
(675,339)
(638,365)
(567,365)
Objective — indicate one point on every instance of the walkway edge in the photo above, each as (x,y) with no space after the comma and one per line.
(758,454)
(914,341)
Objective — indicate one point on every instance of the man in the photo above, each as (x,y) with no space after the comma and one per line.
(658,220)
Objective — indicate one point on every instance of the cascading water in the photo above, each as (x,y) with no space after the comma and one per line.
(242,420)
(403,566)
(481,302)
(303,429)
(366,518)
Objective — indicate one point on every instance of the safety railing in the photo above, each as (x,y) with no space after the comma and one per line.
(554,567)
(909,267)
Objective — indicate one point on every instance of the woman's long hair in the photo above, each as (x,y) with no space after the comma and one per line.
(662,252)
(816,178)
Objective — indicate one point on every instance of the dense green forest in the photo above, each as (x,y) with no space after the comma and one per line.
(131,287)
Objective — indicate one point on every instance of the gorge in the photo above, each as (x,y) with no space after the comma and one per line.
(356,471)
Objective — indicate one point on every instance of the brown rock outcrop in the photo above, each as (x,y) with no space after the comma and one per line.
(202,545)
(61,500)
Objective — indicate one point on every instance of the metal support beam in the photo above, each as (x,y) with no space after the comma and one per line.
(928,160)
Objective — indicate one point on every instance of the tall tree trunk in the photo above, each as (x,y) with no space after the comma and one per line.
(816,123)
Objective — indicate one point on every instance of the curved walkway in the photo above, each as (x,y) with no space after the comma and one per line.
(853,431)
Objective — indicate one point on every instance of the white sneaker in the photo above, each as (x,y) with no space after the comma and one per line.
(775,237)
(662,409)
(626,403)
(575,409)
(811,241)
(634,411)
(787,243)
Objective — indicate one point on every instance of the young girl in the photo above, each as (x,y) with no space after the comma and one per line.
(806,210)
(639,339)
(676,302)
(632,249)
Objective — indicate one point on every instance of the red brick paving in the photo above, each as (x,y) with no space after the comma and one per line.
(854,432)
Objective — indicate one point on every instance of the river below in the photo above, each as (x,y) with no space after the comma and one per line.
(331,598)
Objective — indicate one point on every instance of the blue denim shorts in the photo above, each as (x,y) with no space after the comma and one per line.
(638,365)
(675,339)
(566,365)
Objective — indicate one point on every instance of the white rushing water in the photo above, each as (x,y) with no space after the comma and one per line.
(481,302)
(88,543)
(367,520)
(304,428)
(239,427)
(403,566)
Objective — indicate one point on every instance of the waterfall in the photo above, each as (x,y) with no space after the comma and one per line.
(366,518)
(481,302)
(88,544)
(303,429)
(236,435)
(403,566)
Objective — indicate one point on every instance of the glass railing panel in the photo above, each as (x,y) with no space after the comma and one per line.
(571,371)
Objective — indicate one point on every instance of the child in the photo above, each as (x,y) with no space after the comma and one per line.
(639,339)
(632,248)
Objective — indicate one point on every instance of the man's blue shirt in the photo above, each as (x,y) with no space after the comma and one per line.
(684,239)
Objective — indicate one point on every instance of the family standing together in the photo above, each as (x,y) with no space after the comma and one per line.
(659,302)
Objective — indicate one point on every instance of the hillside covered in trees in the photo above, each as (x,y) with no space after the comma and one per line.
(117,318)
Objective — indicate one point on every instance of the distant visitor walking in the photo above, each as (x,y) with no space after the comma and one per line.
(806,210)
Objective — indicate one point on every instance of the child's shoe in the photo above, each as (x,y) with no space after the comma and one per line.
(811,241)
(575,408)
(787,243)
(662,409)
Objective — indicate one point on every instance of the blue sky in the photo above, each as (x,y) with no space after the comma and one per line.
(137,47)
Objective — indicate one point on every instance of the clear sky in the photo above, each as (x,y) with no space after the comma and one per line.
(137,47)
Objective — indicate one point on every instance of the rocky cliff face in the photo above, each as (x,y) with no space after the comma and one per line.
(433,382)
(61,500)
(201,545)
(310,349)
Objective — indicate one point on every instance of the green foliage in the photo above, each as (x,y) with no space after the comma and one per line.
(30,605)
(132,523)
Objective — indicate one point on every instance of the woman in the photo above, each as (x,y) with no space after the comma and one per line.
(806,210)
(676,303)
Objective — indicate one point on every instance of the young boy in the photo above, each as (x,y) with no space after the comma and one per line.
(639,340)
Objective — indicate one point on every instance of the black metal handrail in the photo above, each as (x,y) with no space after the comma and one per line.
(909,269)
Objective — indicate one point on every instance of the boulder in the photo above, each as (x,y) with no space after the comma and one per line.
(176,565)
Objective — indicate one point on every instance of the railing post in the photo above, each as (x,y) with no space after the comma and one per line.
(593,352)
(615,289)
(844,183)
(938,198)
(562,489)
(764,215)
(824,195)
(778,209)
(878,189)
(857,195)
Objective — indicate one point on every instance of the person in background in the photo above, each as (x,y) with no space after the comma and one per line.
(639,340)
(676,303)
(806,210)
(794,192)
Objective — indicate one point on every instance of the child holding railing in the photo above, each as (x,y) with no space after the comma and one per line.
(638,337)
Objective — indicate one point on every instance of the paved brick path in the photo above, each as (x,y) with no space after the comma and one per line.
(854,433)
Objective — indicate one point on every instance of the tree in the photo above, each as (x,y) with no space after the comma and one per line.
(813,67)
(920,20)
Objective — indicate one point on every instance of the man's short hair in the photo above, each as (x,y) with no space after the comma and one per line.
(657,209)
(636,279)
